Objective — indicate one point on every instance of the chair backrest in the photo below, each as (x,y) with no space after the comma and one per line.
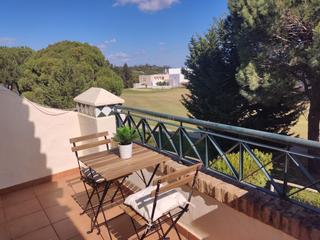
(88,142)
(177,179)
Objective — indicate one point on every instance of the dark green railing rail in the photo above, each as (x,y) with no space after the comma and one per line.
(273,163)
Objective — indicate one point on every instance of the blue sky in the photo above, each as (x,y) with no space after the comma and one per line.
(132,31)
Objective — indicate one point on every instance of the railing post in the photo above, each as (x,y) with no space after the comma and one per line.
(285,177)
(143,132)
(160,137)
(206,157)
(180,141)
(240,162)
(129,119)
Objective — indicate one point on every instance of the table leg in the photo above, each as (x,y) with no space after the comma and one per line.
(154,172)
(95,218)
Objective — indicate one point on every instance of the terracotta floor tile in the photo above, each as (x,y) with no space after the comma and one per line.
(4,233)
(51,199)
(76,185)
(50,187)
(78,237)
(27,224)
(46,233)
(66,229)
(21,209)
(121,227)
(91,236)
(17,197)
(58,213)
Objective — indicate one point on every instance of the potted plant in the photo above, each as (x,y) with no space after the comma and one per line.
(125,136)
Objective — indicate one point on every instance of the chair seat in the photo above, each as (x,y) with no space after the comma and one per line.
(142,203)
(92,175)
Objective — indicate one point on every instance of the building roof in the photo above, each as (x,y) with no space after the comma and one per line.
(98,97)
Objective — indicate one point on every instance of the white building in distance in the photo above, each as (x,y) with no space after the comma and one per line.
(154,80)
(171,78)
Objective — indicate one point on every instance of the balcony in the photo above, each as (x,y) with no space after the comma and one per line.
(51,211)
(41,196)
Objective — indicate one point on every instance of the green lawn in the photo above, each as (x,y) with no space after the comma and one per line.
(164,101)
(301,128)
(168,101)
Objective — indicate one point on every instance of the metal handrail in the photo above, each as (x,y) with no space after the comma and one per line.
(245,132)
(173,135)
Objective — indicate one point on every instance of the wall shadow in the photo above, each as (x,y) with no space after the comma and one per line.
(32,202)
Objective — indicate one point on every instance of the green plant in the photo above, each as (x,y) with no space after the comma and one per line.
(251,173)
(163,83)
(125,135)
(306,196)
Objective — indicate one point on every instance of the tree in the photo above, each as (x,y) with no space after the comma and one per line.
(212,64)
(280,43)
(11,61)
(55,75)
(235,78)
(127,76)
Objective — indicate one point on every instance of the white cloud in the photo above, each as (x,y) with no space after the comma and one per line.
(5,41)
(105,44)
(147,5)
(119,57)
(113,40)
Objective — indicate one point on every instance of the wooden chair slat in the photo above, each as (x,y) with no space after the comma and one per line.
(129,211)
(174,185)
(90,145)
(178,173)
(93,156)
(88,137)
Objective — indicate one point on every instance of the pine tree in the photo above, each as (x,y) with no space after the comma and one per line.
(11,62)
(220,92)
(127,76)
(53,76)
(279,42)
(212,63)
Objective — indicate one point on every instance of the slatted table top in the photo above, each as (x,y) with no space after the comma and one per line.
(111,166)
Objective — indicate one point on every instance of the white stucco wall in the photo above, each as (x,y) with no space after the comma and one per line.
(34,140)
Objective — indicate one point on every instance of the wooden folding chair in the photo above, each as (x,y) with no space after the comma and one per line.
(160,203)
(88,176)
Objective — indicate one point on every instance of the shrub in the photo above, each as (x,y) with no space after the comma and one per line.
(163,83)
(125,135)
(306,196)
(249,166)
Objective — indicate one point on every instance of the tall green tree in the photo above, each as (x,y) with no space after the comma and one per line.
(11,61)
(127,76)
(279,43)
(212,64)
(55,75)
(222,91)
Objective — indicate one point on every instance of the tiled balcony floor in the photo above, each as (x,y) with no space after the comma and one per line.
(48,211)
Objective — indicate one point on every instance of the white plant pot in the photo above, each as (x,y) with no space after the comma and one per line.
(125,151)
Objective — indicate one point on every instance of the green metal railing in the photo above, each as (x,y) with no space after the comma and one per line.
(273,163)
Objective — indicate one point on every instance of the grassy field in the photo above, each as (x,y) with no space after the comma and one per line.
(164,101)
(168,101)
